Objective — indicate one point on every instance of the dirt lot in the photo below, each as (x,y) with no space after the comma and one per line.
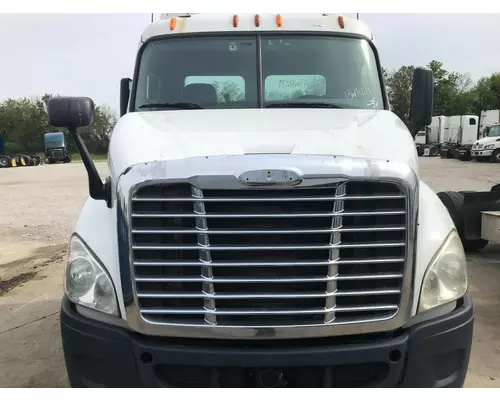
(39,208)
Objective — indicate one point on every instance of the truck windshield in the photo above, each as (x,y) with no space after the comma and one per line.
(223,72)
(494,131)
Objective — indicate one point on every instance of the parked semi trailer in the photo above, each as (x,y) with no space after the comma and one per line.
(16,160)
(252,231)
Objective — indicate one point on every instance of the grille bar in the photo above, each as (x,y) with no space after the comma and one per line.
(204,255)
(271,199)
(381,307)
(204,295)
(266,280)
(292,215)
(268,231)
(270,263)
(246,248)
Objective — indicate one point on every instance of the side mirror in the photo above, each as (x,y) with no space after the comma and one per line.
(422,95)
(124,95)
(73,113)
(70,112)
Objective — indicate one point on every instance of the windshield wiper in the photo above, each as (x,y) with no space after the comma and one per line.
(298,104)
(176,106)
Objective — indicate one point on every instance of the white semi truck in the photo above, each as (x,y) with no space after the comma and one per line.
(487,148)
(252,231)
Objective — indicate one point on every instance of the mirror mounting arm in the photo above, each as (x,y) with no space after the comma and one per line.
(415,129)
(97,189)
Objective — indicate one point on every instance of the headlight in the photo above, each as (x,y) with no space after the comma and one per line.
(87,282)
(490,146)
(446,277)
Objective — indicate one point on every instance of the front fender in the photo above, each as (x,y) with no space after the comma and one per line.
(434,225)
(96,225)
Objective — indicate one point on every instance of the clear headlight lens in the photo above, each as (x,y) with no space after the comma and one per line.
(446,277)
(87,282)
(490,146)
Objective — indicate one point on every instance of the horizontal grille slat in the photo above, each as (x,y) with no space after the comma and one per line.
(270,264)
(294,215)
(256,257)
(264,280)
(241,248)
(271,199)
(160,311)
(265,296)
(269,231)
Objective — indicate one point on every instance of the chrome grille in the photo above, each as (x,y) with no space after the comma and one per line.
(333,254)
(57,153)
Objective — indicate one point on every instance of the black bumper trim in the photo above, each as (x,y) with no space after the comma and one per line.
(432,354)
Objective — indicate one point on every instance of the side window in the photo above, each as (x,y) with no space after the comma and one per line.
(228,88)
(291,87)
(472,121)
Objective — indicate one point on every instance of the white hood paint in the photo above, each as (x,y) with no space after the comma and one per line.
(487,140)
(172,135)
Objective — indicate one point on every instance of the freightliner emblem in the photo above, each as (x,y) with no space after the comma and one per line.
(270,177)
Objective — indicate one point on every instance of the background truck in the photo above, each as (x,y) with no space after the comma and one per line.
(450,137)
(55,148)
(16,160)
(252,232)
(488,118)
(488,148)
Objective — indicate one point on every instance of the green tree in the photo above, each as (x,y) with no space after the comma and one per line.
(23,123)
(399,91)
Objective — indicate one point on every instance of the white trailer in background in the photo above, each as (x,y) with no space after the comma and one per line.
(429,144)
(461,129)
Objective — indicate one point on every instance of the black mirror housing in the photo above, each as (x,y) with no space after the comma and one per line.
(70,112)
(73,113)
(124,95)
(422,96)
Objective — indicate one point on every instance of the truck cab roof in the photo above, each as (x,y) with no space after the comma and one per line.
(172,24)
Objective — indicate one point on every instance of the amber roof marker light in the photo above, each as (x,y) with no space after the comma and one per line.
(173,23)
(340,20)
(236,21)
(257,20)
(279,21)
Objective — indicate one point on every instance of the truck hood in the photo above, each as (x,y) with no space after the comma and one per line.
(172,135)
(487,140)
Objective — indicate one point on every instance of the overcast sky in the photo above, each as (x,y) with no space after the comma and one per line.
(87,54)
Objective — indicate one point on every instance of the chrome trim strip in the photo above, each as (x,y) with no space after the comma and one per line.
(270,280)
(203,295)
(334,245)
(266,232)
(268,199)
(222,172)
(297,215)
(269,263)
(381,307)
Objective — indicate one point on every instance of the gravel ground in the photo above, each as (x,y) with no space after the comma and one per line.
(41,203)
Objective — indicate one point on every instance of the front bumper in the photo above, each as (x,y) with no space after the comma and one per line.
(481,153)
(431,354)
